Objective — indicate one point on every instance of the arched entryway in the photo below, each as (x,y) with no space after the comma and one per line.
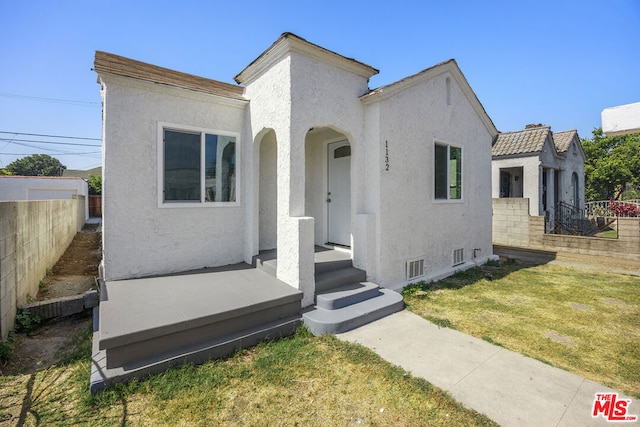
(268,192)
(328,185)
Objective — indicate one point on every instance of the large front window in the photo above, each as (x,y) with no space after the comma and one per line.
(198,166)
(448,172)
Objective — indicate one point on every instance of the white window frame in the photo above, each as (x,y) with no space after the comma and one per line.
(162,126)
(433,187)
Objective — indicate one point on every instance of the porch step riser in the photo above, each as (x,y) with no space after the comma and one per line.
(325,266)
(133,355)
(337,278)
(270,267)
(101,377)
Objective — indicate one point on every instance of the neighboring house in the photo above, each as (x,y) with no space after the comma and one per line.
(200,173)
(621,120)
(13,188)
(544,166)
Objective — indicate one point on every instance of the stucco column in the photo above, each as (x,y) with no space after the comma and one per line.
(295,231)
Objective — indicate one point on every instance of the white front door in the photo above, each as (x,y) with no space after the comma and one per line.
(339,193)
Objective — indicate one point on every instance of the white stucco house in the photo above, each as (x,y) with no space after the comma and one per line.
(355,192)
(301,153)
(544,166)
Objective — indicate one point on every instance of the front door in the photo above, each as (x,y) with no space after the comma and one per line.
(339,193)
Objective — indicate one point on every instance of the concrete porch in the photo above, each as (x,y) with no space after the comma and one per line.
(144,326)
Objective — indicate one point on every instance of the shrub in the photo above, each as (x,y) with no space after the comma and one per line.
(26,321)
(624,209)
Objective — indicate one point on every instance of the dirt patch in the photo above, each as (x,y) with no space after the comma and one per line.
(554,336)
(45,346)
(73,274)
(75,271)
(579,306)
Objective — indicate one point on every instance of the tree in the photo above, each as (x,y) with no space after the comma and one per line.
(36,165)
(3,171)
(95,184)
(613,164)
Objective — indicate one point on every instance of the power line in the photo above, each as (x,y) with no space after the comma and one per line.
(51,136)
(47,142)
(54,100)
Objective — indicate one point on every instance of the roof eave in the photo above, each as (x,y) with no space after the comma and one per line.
(289,42)
(450,65)
(108,63)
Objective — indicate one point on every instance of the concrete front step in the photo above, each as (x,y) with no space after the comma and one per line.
(324,260)
(322,321)
(347,295)
(336,278)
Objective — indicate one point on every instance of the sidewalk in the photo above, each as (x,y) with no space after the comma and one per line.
(509,388)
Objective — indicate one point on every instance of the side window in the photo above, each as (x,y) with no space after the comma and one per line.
(447,172)
(197,167)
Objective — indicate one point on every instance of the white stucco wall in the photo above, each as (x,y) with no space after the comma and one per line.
(411,222)
(139,236)
(530,181)
(573,162)
(13,188)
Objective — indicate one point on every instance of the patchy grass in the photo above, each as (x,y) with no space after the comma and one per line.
(300,380)
(582,321)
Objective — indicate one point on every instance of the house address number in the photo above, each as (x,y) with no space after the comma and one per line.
(386,155)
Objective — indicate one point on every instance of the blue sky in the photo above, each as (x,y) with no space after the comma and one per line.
(553,62)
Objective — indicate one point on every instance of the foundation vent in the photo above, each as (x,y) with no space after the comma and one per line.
(458,256)
(415,268)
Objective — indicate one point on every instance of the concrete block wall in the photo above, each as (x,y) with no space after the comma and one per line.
(512,226)
(627,245)
(511,221)
(33,236)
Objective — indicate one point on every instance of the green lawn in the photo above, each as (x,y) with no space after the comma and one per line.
(300,380)
(585,322)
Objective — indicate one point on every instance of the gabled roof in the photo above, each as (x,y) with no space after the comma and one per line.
(119,65)
(563,139)
(531,141)
(520,142)
(289,42)
(451,66)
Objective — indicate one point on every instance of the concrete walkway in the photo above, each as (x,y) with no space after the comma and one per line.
(509,388)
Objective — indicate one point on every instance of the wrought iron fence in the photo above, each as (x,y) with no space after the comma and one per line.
(612,208)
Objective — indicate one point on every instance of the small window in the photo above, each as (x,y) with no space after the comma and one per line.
(197,167)
(448,172)
(344,151)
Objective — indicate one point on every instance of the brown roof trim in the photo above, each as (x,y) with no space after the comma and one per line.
(114,64)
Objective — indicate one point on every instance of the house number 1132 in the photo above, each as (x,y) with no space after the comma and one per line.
(386,155)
